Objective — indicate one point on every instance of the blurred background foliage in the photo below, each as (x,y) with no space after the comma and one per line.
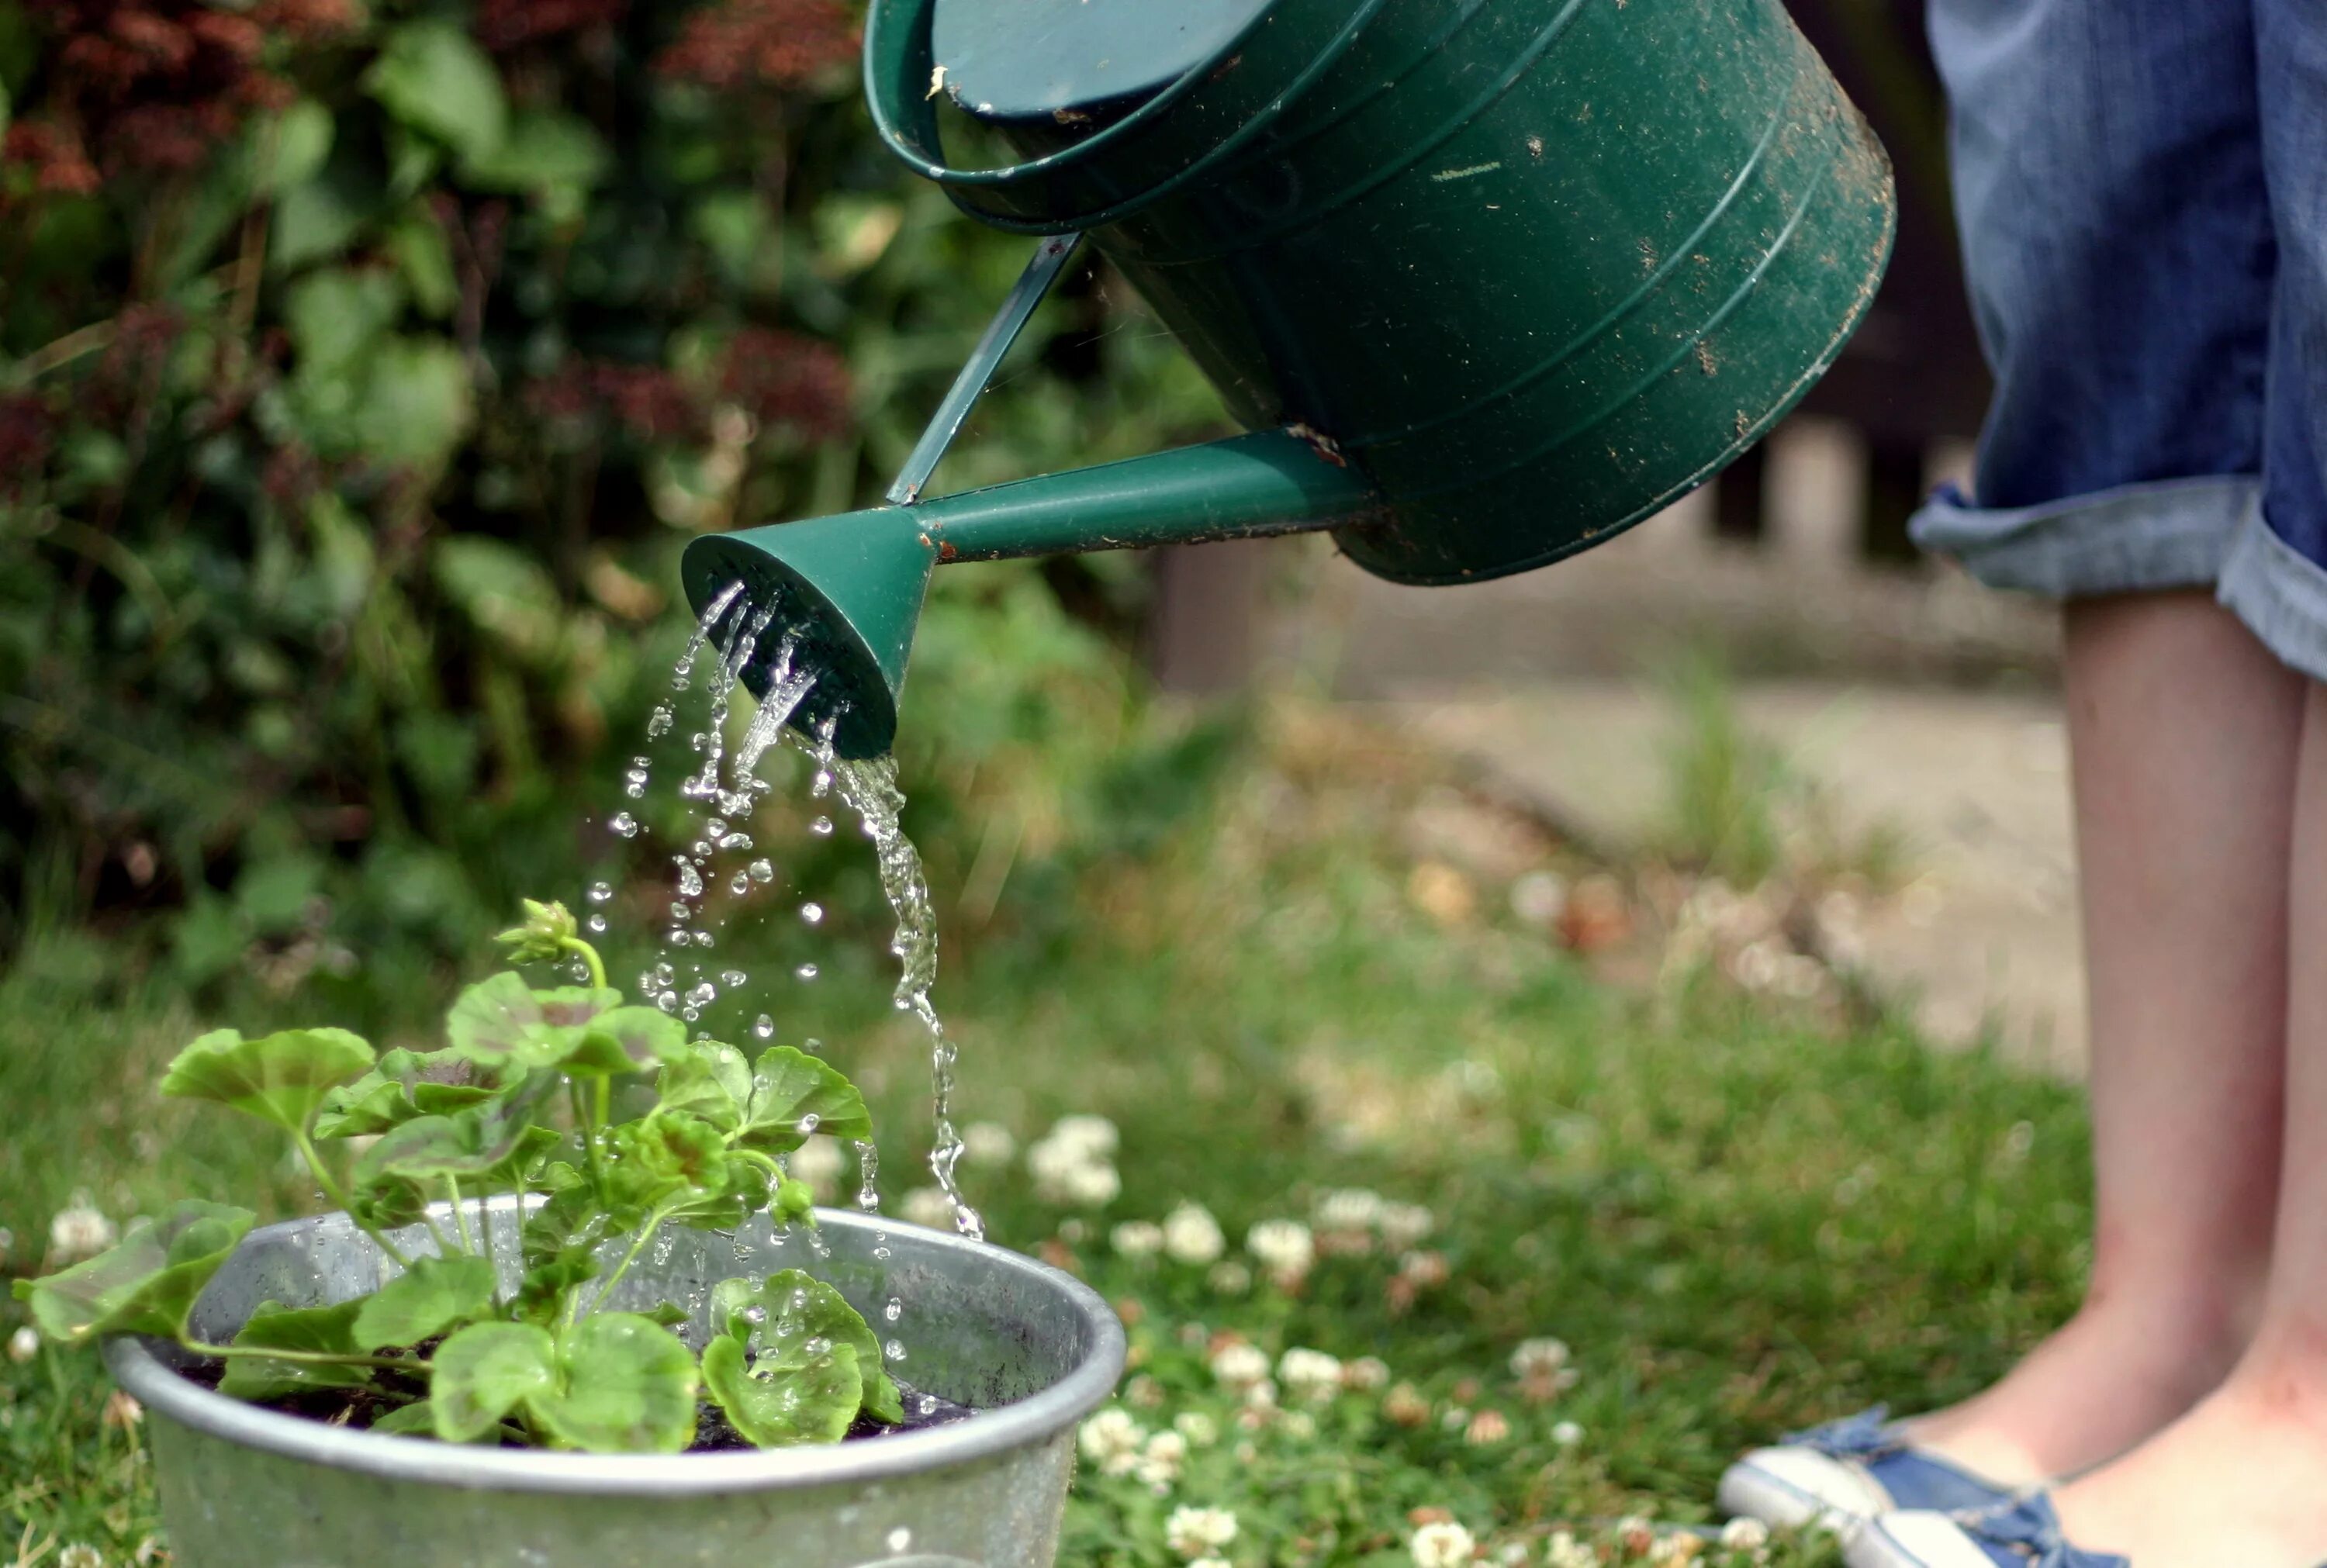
(363,372)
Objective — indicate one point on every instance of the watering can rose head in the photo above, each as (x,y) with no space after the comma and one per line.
(529,1340)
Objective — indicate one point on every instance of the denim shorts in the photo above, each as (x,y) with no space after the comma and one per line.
(2141,187)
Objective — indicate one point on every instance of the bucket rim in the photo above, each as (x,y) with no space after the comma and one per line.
(987,1434)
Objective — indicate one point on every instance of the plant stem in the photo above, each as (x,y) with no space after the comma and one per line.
(589,956)
(338,1195)
(646,1234)
(306,1358)
(461,1214)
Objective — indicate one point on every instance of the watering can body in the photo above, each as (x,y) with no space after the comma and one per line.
(1492,280)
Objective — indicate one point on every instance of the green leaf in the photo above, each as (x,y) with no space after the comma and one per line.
(626,1385)
(710,1080)
(631,1039)
(426,1300)
(276,1327)
(417,1419)
(280,1078)
(791,1311)
(542,149)
(504,1023)
(434,76)
(472,1142)
(787,1087)
(783,1400)
(416,242)
(273,894)
(313,221)
(481,1374)
(418,402)
(338,316)
(394,1092)
(292,150)
(145,1286)
(387,1202)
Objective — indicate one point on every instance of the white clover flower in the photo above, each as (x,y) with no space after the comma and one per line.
(1348,1208)
(1160,1461)
(988,1144)
(1283,1247)
(1535,1359)
(1487,1428)
(1093,1185)
(1366,1375)
(1260,1399)
(1404,1225)
(1112,1441)
(80,1231)
(1446,1544)
(1137,1238)
(1196,1533)
(150,1551)
(1191,1234)
(23,1344)
(1745,1535)
(1201,1430)
(1674,1549)
(1297,1424)
(818,1162)
(1311,1374)
(1567,1435)
(1094,1137)
(1565,1551)
(927,1206)
(1239,1366)
(1212,1563)
(1229,1278)
(81,1554)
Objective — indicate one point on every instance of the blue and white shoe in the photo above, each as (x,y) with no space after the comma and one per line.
(1844,1473)
(2024,1533)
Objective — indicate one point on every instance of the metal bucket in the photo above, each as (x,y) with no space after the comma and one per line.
(1031,1348)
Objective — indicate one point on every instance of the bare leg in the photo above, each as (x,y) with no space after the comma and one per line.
(2183,732)
(2241,1481)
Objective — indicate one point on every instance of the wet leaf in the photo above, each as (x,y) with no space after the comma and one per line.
(145,1286)
(789,1313)
(504,1023)
(709,1081)
(789,1087)
(417,1419)
(276,1327)
(394,1092)
(782,1400)
(477,1142)
(626,1385)
(432,76)
(630,1039)
(484,1372)
(280,1078)
(426,1300)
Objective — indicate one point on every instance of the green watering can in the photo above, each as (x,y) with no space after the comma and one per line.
(1487,281)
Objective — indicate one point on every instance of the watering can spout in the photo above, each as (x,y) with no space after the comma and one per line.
(849,588)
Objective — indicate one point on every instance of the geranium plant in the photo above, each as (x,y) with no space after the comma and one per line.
(519,1103)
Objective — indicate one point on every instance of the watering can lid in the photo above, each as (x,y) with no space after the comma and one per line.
(1030,58)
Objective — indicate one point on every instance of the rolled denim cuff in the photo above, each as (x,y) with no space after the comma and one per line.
(2280,593)
(2168,534)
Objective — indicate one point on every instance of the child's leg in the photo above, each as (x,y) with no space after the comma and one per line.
(2241,1482)
(2183,732)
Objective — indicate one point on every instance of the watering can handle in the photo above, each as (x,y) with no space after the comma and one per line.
(1049,259)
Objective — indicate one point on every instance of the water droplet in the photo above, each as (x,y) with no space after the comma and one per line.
(681,910)
(624,825)
(666,1000)
(714,826)
(597,924)
(731,978)
(736,841)
(690,880)
(763,870)
(659,721)
(700,849)
(740,884)
(900,1538)
(601,892)
(806,971)
(893,1311)
(812,912)
(821,827)
(690,1012)
(702,993)
(764,1027)
(895,1349)
(822,784)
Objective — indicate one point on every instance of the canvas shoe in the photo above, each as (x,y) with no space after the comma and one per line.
(1848,1471)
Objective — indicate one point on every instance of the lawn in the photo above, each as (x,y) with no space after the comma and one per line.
(1737,1213)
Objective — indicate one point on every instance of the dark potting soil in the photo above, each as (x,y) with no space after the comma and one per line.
(359,1407)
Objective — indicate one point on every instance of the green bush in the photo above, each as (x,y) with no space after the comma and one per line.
(362,373)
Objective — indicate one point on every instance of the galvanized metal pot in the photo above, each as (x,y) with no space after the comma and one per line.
(1031,1348)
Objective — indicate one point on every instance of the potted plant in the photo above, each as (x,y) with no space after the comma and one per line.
(571,1309)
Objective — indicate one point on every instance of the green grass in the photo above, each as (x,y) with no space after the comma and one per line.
(1743,1218)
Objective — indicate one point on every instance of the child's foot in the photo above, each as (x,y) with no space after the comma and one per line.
(2239,1482)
